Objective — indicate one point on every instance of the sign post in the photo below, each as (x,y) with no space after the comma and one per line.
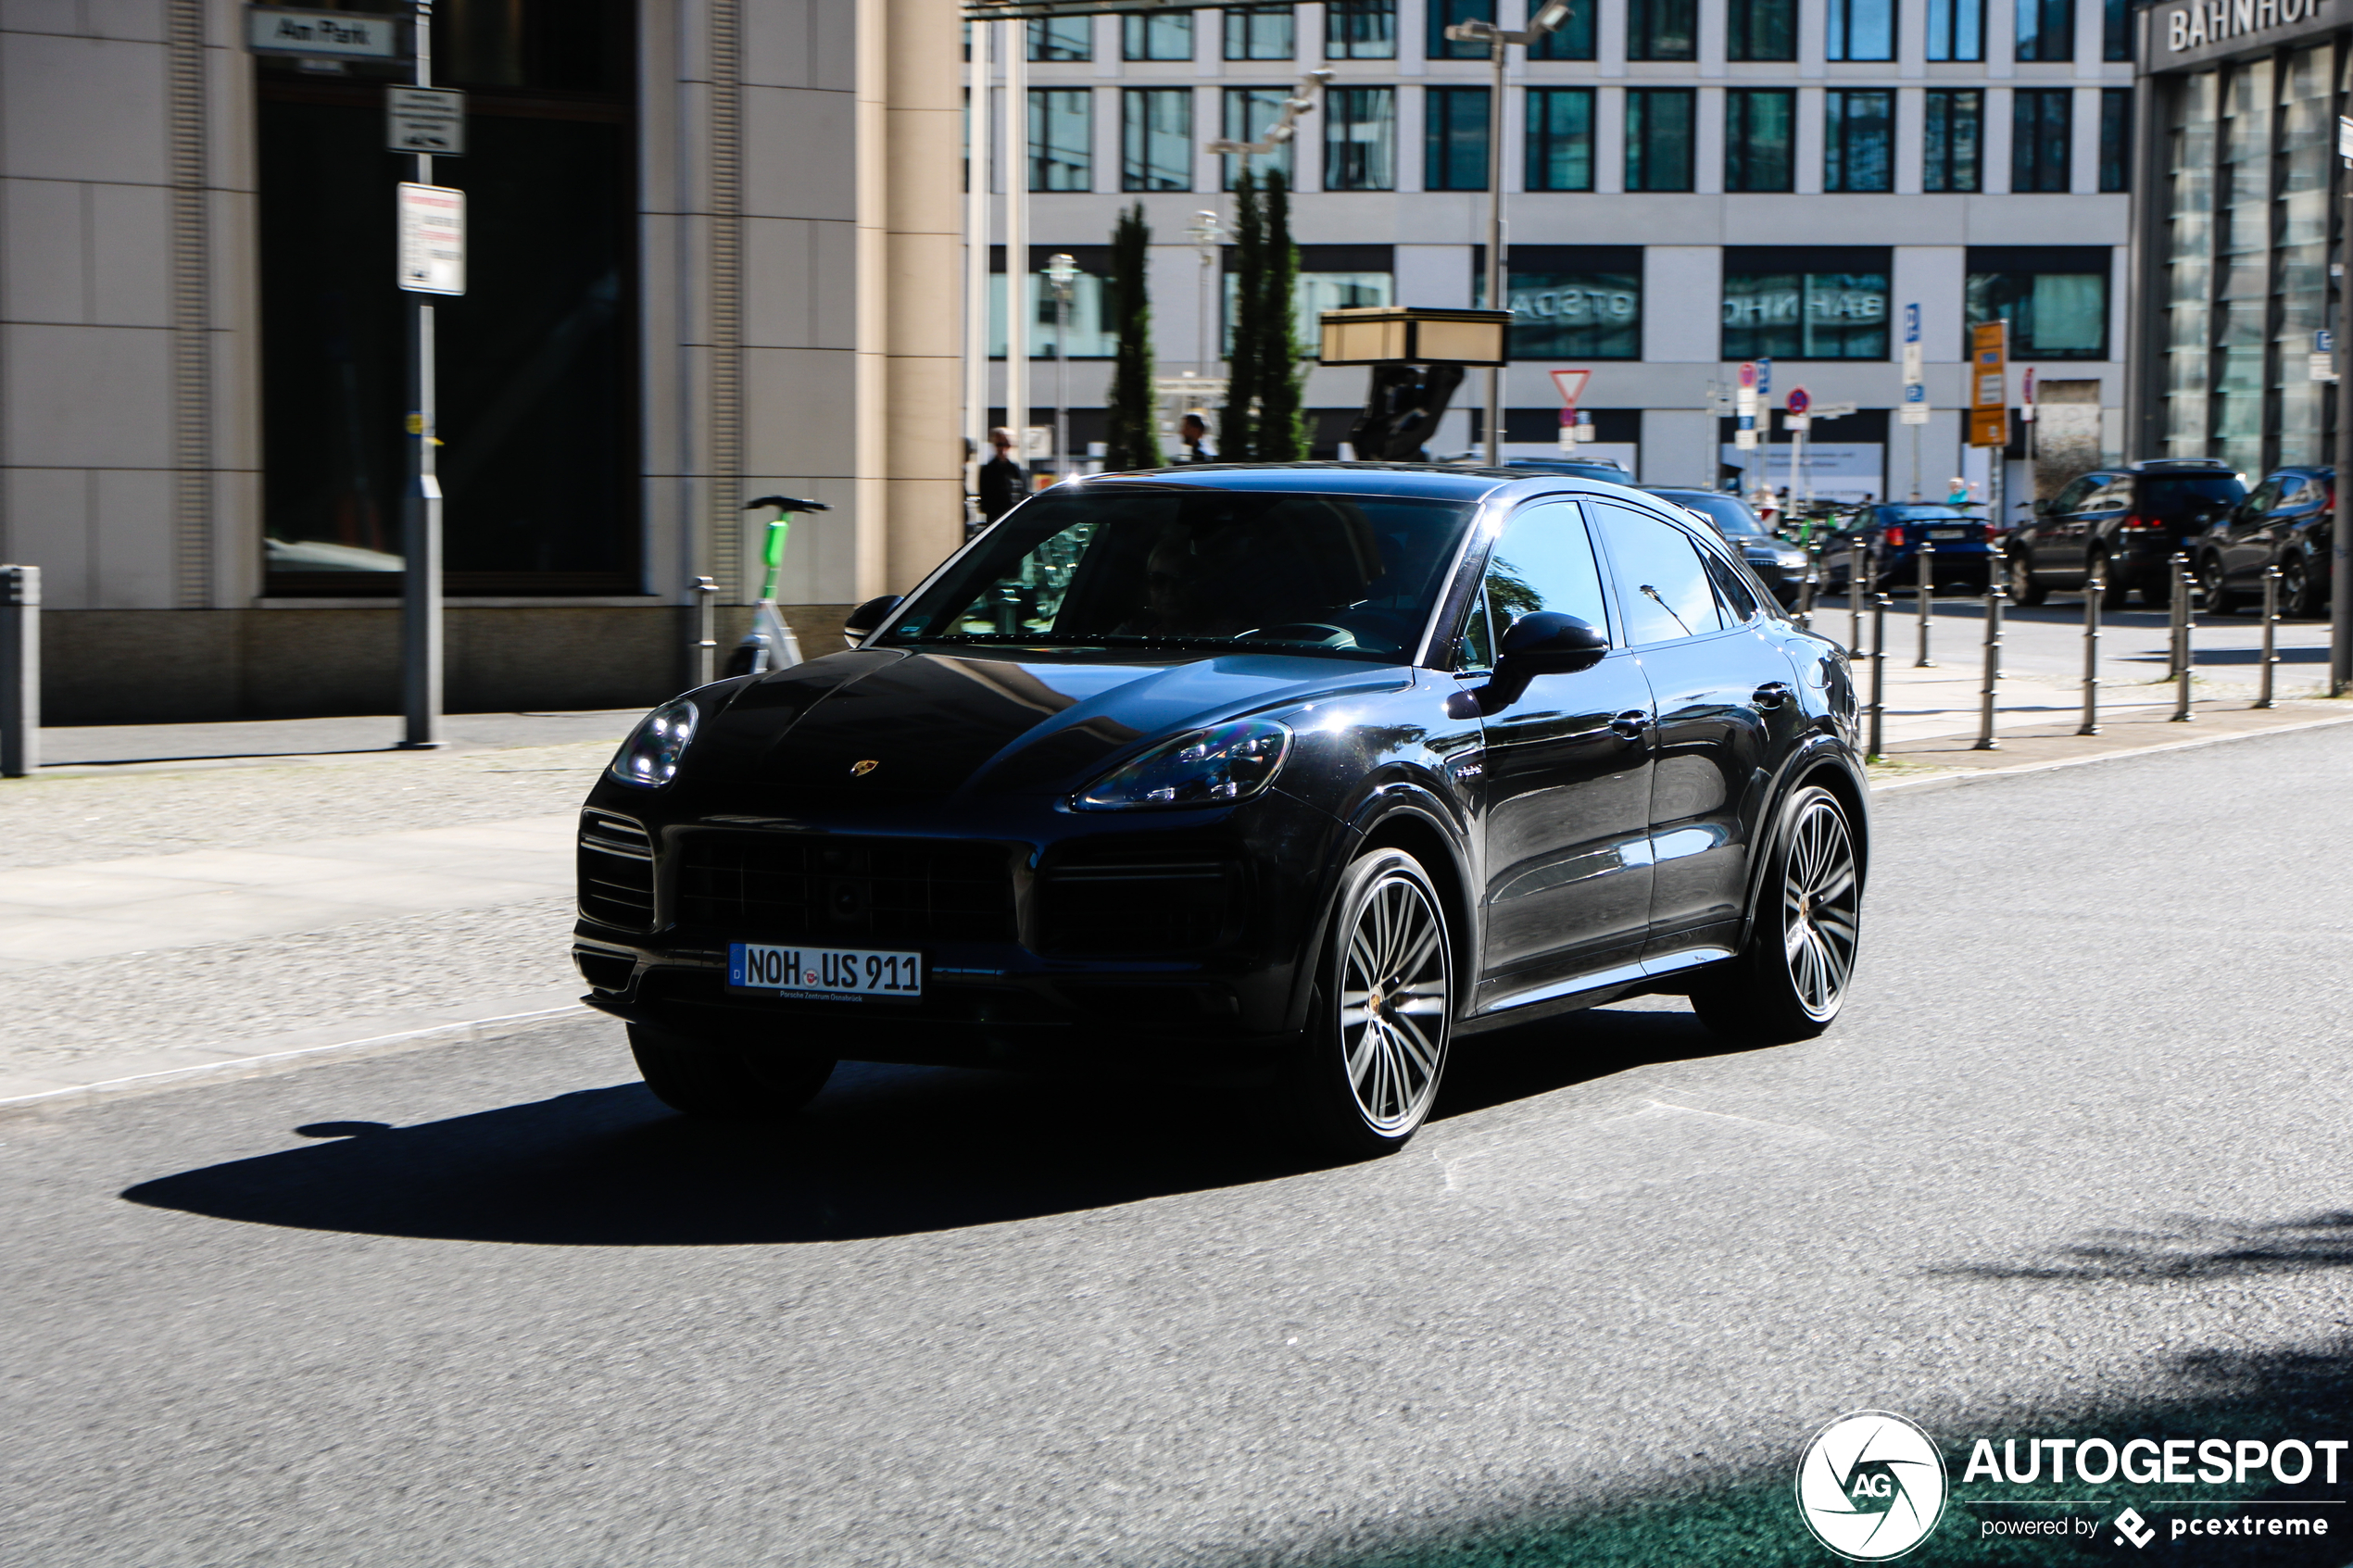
(1799,422)
(432,262)
(1571,385)
(2341,531)
(1989,411)
(1915,406)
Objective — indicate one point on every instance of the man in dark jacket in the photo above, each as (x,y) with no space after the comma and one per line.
(1001,481)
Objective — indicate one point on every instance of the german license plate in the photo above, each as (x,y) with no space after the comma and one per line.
(1948,533)
(826,973)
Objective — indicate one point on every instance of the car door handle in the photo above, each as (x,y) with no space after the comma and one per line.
(1631,723)
(1772,693)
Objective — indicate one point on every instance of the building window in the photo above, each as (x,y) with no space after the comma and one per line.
(1360,30)
(1360,138)
(2186,187)
(1658,138)
(1573,301)
(2116,30)
(1662,29)
(1249,113)
(1156,139)
(1093,335)
(1455,138)
(1259,32)
(1858,140)
(2054,298)
(1330,277)
(1860,29)
(1573,40)
(1443,13)
(2115,138)
(1761,30)
(1805,302)
(1156,35)
(1062,130)
(1952,139)
(2042,138)
(1759,139)
(1955,30)
(2045,29)
(1060,40)
(1560,138)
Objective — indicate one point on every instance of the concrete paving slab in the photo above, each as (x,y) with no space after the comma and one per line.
(74,887)
(116,745)
(410,891)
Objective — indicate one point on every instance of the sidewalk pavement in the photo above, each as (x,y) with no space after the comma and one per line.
(209,900)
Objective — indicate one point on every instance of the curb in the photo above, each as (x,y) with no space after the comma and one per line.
(269,1063)
(1957,777)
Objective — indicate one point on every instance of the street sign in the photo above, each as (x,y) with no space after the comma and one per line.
(1798,401)
(2026,396)
(327,36)
(1912,323)
(432,239)
(1796,424)
(1748,375)
(424,119)
(1764,377)
(1915,409)
(1989,416)
(1571,386)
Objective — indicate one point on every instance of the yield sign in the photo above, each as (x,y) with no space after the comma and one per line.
(1572,385)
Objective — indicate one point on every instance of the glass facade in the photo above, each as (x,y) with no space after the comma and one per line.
(2242,267)
(1859,30)
(1858,140)
(1573,40)
(2054,297)
(2045,29)
(1575,315)
(2189,241)
(1443,13)
(1259,32)
(1062,40)
(1802,303)
(1360,30)
(1454,138)
(1156,35)
(1249,113)
(1360,139)
(1760,139)
(1560,138)
(1061,129)
(1761,30)
(1955,30)
(2042,138)
(1662,29)
(1952,139)
(1156,139)
(1658,138)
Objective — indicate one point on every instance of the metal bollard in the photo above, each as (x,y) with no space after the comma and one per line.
(2270,633)
(1924,567)
(19,672)
(1986,740)
(2093,587)
(1807,586)
(2181,566)
(707,625)
(1854,598)
(1878,673)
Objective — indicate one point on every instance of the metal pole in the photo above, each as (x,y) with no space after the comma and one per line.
(1986,739)
(1062,381)
(2263,697)
(2093,587)
(707,624)
(1878,673)
(1924,565)
(1808,586)
(976,170)
(1855,598)
(1013,44)
(2181,568)
(2341,527)
(19,672)
(1496,245)
(421,644)
(2173,655)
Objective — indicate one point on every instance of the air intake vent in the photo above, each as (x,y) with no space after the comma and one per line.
(1139,905)
(819,888)
(616,871)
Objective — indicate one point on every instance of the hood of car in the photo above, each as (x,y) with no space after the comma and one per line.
(874,726)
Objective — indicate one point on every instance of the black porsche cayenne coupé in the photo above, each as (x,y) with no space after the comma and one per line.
(1280,777)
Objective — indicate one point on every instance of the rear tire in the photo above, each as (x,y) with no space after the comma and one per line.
(2301,593)
(2024,587)
(1364,1078)
(713,1084)
(2219,601)
(1790,980)
(2113,592)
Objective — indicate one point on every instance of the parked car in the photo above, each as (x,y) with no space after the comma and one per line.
(1779,565)
(1579,467)
(1275,777)
(2129,520)
(1889,534)
(2285,521)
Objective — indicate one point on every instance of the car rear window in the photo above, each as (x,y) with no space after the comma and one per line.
(2168,494)
(1923,514)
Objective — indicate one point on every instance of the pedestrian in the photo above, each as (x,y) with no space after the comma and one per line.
(1002,480)
(1956,492)
(1193,431)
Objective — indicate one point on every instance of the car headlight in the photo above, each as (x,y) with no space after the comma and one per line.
(648,759)
(1201,768)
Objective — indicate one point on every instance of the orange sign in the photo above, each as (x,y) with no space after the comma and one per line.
(1989,375)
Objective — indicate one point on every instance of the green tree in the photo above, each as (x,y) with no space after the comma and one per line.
(1236,429)
(1281,427)
(1132,440)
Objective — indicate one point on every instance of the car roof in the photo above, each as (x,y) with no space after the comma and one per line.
(1428,480)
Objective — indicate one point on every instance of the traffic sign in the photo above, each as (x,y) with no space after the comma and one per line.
(1989,417)
(1912,323)
(1571,386)
(424,119)
(1764,377)
(1748,375)
(432,239)
(323,35)
(1798,401)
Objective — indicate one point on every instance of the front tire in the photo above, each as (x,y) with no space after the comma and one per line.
(713,1084)
(2300,591)
(1790,980)
(2215,583)
(2112,590)
(2024,590)
(1364,1079)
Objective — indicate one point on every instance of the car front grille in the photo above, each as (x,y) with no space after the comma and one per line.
(616,871)
(1141,904)
(824,888)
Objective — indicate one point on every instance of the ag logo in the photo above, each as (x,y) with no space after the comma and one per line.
(860,769)
(1871,1486)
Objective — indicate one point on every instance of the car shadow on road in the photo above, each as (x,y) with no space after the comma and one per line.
(883,1151)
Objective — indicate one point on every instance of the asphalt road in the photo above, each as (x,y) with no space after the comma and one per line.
(2073,1162)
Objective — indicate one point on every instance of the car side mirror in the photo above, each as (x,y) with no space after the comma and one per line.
(1549,642)
(867,617)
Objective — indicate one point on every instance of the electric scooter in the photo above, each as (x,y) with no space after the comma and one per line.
(769,645)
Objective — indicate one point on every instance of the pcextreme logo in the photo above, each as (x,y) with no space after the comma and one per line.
(1870,1485)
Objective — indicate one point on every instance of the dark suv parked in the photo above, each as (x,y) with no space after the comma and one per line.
(1779,565)
(1891,535)
(2131,520)
(2285,523)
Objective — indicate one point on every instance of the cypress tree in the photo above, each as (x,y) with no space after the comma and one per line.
(1133,439)
(1237,429)
(1283,424)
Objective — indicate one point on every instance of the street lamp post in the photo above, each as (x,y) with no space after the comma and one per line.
(1551,16)
(1061,272)
(421,619)
(1206,234)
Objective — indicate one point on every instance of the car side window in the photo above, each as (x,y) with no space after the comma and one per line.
(2071,497)
(2116,496)
(1544,561)
(2266,497)
(1663,587)
(1732,596)
(1475,649)
(2292,491)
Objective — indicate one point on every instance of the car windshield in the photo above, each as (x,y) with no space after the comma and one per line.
(1183,567)
(2168,494)
(1729,513)
(1925,514)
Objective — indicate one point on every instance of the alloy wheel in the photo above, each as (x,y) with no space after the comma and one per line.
(1395,986)
(1820,893)
(2022,579)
